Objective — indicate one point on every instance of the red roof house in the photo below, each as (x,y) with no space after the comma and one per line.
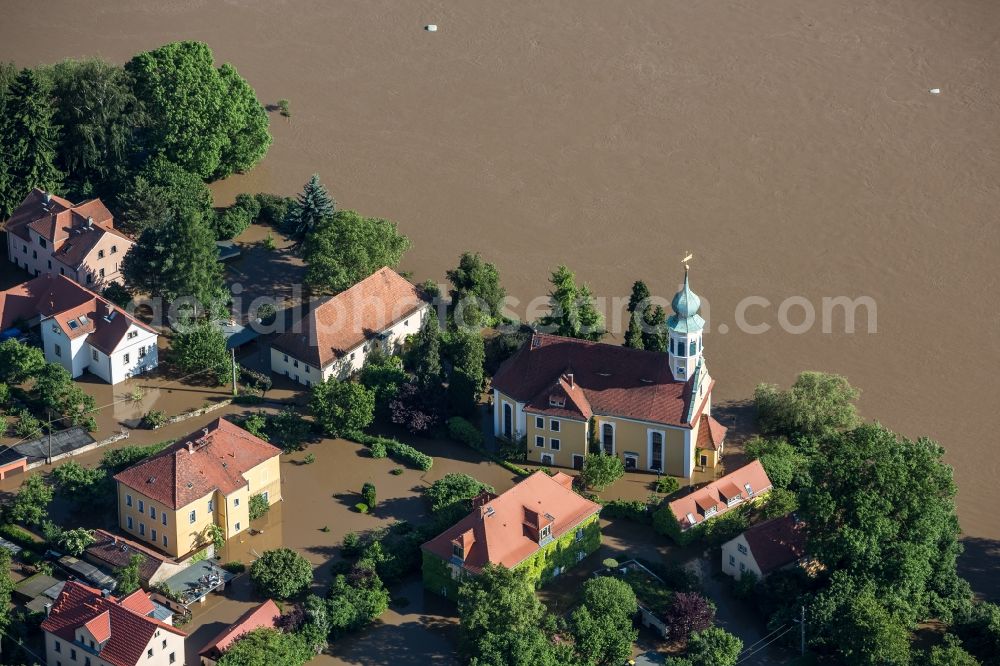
(84,621)
(265,615)
(714,499)
(511,528)
(765,547)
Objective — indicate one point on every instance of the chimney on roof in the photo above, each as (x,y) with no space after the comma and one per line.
(105,593)
(48,608)
(90,221)
(190,446)
(569,378)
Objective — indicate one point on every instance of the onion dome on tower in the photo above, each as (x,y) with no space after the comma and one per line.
(685,329)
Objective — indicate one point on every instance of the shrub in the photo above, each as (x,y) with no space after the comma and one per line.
(689,612)
(368,493)
(361,507)
(629,510)
(154,419)
(396,471)
(116,460)
(28,427)
(235,567)
(283,108)
(746,585)
(258,506)
(666,485)
(601,470)
(281,573)
(460,430)
(309,459)
(398,450)
(379,450)
(273,208)
(351,545)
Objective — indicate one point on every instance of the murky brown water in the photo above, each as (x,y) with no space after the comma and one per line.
(793,146)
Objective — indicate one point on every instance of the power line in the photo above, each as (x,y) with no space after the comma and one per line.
(750,647)
(17,641)
(747,656)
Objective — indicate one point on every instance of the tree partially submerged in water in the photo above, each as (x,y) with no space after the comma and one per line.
(313,206)
(347,247)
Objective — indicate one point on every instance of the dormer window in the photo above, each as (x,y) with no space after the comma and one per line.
(546,533)
(690,518)
(734,500)
(748,489)
(557,401)
(132,334)
(710,511)
(458,551)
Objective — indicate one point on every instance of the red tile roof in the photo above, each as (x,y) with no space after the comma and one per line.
(717,494)
(77,310)
(265,615)
(116,551)
(504,530)
(614,381)
(776,543)
(711,433)
(342,322)
(72,229)
(127,632)
(202,462)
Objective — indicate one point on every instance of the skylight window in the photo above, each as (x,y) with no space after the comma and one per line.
(84,320)
(73,325)
(748,488)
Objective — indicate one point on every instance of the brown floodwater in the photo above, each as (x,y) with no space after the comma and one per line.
(793,146)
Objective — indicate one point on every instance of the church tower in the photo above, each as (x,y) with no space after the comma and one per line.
(685,328)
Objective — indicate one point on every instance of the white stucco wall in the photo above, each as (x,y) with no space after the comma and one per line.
(732,558)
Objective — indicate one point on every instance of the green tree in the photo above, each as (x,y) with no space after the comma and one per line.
(950,653)
(714,647)
(633,336)
(502,622)
(368,494)
(476,294)
(849,618)
(57,391)
(81,485)
(128,576)
(258,506)
(978,625)
(346,248)
(6,589)
(355,602)
(638,300)
(817,404)
(342,406)
(882,510)
(75,541)
(654,336)
(281,573)
(178,259)
(787,466)
(237,218)
(204,119)
(572,311)
(450,496)
(313,206)
(466,351)
(383,374)
(19,362)
(28,140)
(601,470)
(159,190)
(96,110)
(31,503)
(267,647)
(425,355)
(202,348)
(603,627)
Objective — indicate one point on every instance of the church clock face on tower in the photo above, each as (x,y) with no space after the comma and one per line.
(685,327)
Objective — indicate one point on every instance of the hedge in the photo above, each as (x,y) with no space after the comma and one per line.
(22,537)
(627,509)
(398,450)
(462,431)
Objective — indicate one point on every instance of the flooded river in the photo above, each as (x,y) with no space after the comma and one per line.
(793,146)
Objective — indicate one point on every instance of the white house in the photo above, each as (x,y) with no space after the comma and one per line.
(336,336)
(764,548)
(85,626)
(79,329)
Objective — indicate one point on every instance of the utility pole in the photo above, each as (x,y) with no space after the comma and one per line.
(49,428)
(233,350)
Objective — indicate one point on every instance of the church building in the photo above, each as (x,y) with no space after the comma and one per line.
(568,397)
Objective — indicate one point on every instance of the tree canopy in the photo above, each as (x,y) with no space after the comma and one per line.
(342,406)
(19,362)
(476,294)
(201,348)
(28,140)
(313,206)
(603,627)
(159,191)
(204,119)
(450,495)
(572,310)
(601,470)
(816,405)
(347,247)
(281,573)
(267,647)
(31,503)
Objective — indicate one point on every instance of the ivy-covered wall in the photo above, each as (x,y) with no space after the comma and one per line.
(541,567)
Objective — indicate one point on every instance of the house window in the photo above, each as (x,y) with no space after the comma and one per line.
(352,357)
(172,658)
(546,532)
(579,534)
(93,354)
(62,271)
(90,279)
(152,512)
(307,369)
(34,254)
(746,486)
(211,505)
(743,567)
(72,654)
(554,444)
(58,350)
(710,511)
(546,459)
(539,423)
(132,334)
(163,517)
(164,644)
(656,451)
(264,494)
(693,348)
(191,516)
(608,438)
(128,500)
(237,527)
(41,241)
(142,507)
(236,501)
(539,441)
(704,460)
(114,249)
(149,653)
(742,548)
(125,359)
(458,551)
(152,535)
(128,520)
(286,358)
(553,425)
(100,254)
(101,272)
(732,560)
(164,540)
(142,352)
(296,363)
(49,262)
(142,529)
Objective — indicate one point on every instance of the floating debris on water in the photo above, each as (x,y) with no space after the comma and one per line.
(935,91)
(431,27)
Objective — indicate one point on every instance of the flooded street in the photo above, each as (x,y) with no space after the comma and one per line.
(793,146)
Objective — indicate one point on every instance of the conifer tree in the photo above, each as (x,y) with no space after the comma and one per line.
(572,313)
(633,336)
(426,355)
(639,298)
(655,336)
(28,138)
(314,205)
